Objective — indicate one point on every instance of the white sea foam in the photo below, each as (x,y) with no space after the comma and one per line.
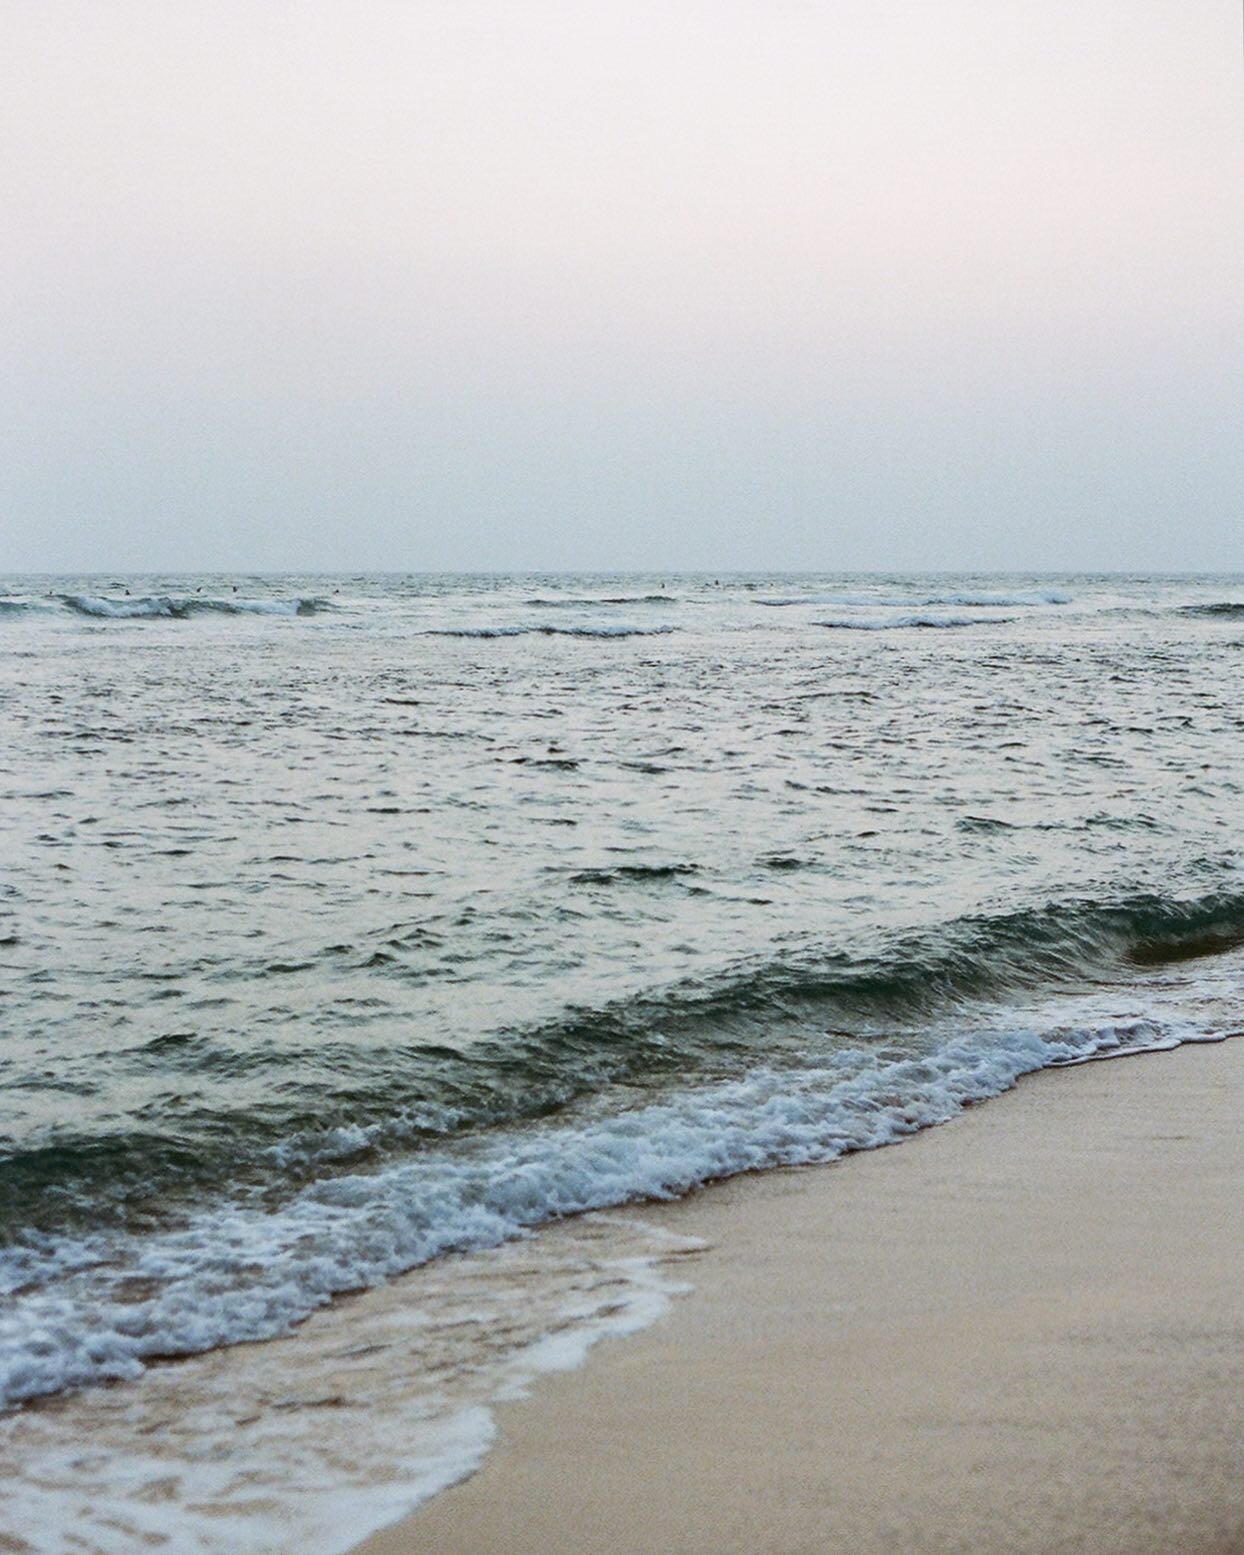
(311,1445)
(237,1273)
(113,1502)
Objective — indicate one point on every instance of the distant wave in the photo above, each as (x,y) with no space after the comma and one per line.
(918,619)
(180,606)
(569,602)
(550,631)
(973,601)
(27,607)
(1222,610)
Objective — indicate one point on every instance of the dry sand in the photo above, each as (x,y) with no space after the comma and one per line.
(1023,1331)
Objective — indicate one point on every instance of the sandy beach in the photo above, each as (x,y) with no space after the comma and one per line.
(621,626)
(1022,1331)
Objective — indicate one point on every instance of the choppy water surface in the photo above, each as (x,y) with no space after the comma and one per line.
(345,922)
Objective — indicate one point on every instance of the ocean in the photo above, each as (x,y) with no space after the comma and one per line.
(373,948)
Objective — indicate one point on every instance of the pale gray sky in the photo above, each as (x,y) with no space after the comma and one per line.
(395,283)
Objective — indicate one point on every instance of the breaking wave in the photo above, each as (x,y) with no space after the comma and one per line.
(179,607)
(801,1061)
(88,1311)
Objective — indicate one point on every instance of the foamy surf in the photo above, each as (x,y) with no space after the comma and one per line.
(312,1443)
(381,1401)
(101,1307)
(331,946)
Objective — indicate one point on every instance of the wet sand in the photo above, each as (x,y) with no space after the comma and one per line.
(1022,1331)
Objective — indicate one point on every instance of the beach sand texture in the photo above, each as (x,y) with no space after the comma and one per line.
(1023,1331)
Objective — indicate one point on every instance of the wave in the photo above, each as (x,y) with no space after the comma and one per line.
(965,600)
(1223,609)
(179,607)
(411,1096)
(633,873)
(911,978)
(13,606)
(569,602)
(240,1274)
(918,619)
(799,1061)
(542,630)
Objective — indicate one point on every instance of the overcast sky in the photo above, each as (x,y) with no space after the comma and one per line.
(557,283)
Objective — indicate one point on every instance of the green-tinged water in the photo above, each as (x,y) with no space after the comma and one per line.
(347,921)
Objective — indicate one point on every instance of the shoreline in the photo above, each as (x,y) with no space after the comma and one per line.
(1023,1329)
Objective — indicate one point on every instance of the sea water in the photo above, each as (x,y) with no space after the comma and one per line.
(358,932)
